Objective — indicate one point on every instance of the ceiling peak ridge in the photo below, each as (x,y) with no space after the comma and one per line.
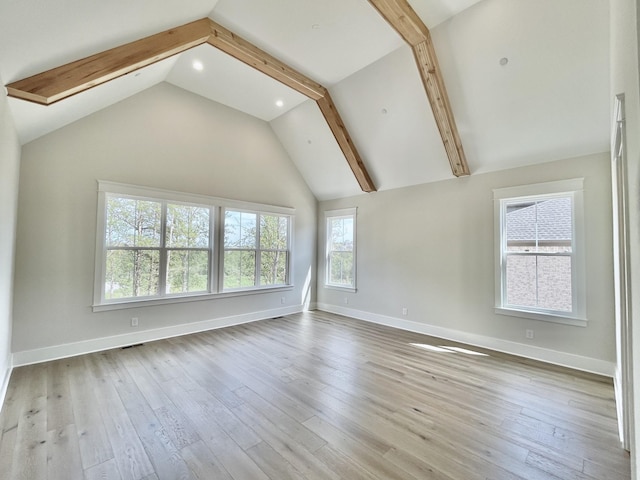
(72,78)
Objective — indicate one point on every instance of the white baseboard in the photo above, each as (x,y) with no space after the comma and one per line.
(6,375)
(38,355)
(577,362)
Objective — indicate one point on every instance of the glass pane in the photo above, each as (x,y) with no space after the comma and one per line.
(239,269)
(554,283)
(187,271)
(520,227)
(273,232)
(240,229)
(554,221)
(132,223)
(131,273)
(273,268)
(341,268)
(541,226)
(341,234)
(187,226)
(521,280)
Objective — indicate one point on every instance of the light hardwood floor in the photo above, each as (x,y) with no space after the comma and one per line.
(314,396)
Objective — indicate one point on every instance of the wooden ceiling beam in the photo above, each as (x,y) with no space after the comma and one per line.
(62,82)
(331,115)
(400,15)
(253,56)
(239,48)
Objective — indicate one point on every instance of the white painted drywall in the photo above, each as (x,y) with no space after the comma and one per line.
(625,16)
(9,169)
(164,137)
(430,248)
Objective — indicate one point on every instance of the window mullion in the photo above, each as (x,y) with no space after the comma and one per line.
(162,281)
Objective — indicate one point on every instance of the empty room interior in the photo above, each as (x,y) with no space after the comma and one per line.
(290,239)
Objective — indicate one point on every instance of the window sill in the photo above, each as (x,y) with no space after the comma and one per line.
(342,289)
(104,307)
(545,317)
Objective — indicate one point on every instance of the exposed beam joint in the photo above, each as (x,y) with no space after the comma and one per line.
(400,15)
(62,82)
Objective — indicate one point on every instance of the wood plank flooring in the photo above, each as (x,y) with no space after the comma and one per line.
(307,396)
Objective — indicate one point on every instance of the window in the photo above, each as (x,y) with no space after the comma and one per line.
(256,249)
(157,246)
(540,251)
(340,264)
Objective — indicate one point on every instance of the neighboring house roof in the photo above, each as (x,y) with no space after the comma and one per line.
(516,73)
(551,219)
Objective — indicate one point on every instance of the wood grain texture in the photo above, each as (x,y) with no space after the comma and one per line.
(62,82)
(240,49)
(308,396)
(75,77)
(331,115)
(400,15)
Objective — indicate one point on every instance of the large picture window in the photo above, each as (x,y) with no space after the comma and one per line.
(155,245)
(340,262)
(539,270)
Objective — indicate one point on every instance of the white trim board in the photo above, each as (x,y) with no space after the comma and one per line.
(56,352)
(5,383)
(577,362)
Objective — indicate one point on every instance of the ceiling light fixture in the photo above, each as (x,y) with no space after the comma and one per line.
(197,65)
(504,61)
(279,103)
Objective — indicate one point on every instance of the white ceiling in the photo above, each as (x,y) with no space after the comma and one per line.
(549,101)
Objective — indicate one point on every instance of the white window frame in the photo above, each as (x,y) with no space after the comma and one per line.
(217,206)
(258,249)
(525,193)
(332,215)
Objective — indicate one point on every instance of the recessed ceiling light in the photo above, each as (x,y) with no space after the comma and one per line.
(279,103)
(197,65)
(384,111)
(504,61)
(315,26)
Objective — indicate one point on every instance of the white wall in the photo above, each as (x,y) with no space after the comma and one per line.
(430,248)
(625,79)
(167,138)
(9,168)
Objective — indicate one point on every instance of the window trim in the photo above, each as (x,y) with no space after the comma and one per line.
(217,205)
(341,213)
(258,250)
(574,188)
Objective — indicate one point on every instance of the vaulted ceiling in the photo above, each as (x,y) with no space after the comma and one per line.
(527,81)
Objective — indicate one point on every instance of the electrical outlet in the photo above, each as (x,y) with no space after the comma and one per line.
(528,333)
(405,311)
(346,301)
(134,321)
(282,300)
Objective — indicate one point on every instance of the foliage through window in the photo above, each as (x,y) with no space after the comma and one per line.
(142,261)
(155,245)
(256,249)
(540,251)
(340,261)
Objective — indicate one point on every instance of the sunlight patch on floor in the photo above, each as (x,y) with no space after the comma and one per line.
(448,349)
